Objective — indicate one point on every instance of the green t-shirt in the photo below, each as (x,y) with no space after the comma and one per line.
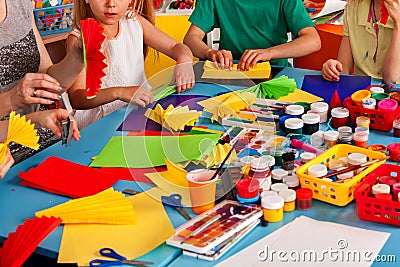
(251,24)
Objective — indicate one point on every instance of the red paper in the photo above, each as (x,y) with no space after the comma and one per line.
(134,174)
(20,244)
(93,38)
(384,13)
(335,102)
(67,178)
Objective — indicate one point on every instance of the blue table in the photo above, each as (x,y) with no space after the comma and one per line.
(18,202)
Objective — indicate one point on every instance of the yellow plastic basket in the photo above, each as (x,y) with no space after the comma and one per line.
(339,194)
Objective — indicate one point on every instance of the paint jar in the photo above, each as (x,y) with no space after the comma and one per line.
(363,121)
(245,160)
(386,197)
(311,123)
(277,175)
(295,110)
(317,170)
(360,139)
(369,103)
(278,187)
(361,129)
(345,129)
(330,138)
(282,120)
(344,176)
(345,138)
(320,108)
(357,158)
(340,117)
(294,125)
(268,193)
(389,180)
(277,153)
(248,188)
(259,170)
(288,161)
(358,96)
(387,105)
(395,190)
(376,90)
(304,198)
(396,128)
(289,198)
(335,164)
(273,208)
(270,161)
(306,157)
(292,181)
(380,96)
(380,189)
(394,152)
(317,139)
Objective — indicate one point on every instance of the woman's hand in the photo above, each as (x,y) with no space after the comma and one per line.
(9,162)
(331,70)
(183,77)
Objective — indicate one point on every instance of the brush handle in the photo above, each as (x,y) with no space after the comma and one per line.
(224,161)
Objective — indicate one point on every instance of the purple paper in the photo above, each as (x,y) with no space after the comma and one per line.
(346,86)
(136,121)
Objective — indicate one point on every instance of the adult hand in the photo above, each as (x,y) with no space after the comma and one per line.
(35,88)
(9,162)
(183,77)
(251,57)
(51,119)
(222,59)
(331,70)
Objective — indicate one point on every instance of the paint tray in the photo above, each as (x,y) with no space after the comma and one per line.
(234,217)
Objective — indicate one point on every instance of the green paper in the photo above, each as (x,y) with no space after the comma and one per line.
(149,151)
(164,90)
(274,88)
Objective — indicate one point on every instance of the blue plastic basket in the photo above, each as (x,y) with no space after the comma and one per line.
(52,20)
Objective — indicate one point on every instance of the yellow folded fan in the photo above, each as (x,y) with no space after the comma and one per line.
(20,131)
(173,119)
(261,70)
(218,155)
(108,207)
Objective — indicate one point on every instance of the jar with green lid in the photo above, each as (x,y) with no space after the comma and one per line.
(380,96)
(277,153)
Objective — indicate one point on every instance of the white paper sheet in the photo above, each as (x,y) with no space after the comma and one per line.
(330,7)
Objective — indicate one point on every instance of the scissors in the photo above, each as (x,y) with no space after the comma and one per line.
(67,124)
(120,260)
(175,201)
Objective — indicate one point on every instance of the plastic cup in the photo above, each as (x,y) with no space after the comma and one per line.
(202,189)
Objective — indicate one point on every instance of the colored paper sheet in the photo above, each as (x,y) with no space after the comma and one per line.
(134,174)
(109,207)
(80,243)
(300,95)
(67,178)
(136,121)
(149,151)
(261,70)
(219,153)
(346,86)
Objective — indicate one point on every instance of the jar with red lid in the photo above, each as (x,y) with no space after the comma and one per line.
(340,117)
(304,198)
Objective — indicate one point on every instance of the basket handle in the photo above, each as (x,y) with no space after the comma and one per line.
(362,190)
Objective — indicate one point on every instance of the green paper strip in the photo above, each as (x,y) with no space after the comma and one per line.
(164,90)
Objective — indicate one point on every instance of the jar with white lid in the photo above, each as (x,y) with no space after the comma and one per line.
(259,170)
(306,157)
(340,117)
(317,170)
(279,187)
(277,175)
(289,197)
(273,208)
(320,108)
(311,123)
(294,125)
(331,138)
(296,110)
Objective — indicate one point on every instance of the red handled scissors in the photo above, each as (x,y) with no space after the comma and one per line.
(120,260)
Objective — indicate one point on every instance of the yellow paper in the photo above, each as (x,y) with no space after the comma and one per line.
(20,131)
(300,95)
(80,243)
(219,153)
(261,70)
(108,206)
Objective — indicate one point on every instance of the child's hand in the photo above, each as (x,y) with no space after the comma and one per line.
(331,70)
(251,57)
(222,59)
(9,162)
(141,96)
(393,9)
(183,77)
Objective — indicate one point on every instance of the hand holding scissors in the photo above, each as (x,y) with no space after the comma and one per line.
(109,252)
(175,201)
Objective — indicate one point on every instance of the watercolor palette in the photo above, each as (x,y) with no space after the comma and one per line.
(233,217)
(257,143)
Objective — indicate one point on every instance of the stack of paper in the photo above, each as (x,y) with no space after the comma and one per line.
(227,104)
(219,153)
(173,119)
(20,244)
(109,206)
(19,131)
(261,70)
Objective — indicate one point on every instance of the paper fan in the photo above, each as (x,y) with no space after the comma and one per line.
(22,243)
(20,131)
(219,153)
(109,207)
(384,13)
(93,41)
(274,88)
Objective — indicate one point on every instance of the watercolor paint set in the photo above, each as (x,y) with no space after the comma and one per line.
(257,142)
(214,227)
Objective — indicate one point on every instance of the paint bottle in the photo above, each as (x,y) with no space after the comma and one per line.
(295,110)
(357,96)
(340,117)
(396,128)
(272,208)
(259,170)
(395,190)
(361,129)
(294,125)
(330,138)
(320,108)
(357,159)
(345,129)
(360,139)
(363,121)
(288,161)
(277,152)
(369,103)
(394,152)
(304,198)
(335,164)
(268,193)
(292,181)
(317,170)
(270,161)
(311,123)
(345,138)
(289,197)
(247,188)
(380,189)
(277,175)
(387,179)
(279,187)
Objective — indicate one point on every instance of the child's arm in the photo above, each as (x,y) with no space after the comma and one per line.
(9,162)
(77,93)
(332,68)
(183,72)
(391,66)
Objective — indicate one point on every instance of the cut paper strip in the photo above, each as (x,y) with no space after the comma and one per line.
(22,243)
(261,70)
(346,86)
(163,90)
(150,151)
(172,118)
(219,153)
(80,243)
(109,207)
(20,131)
(384,13)
(227,104)
(273,89)
(93,41)
(136,121)
(67,178)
